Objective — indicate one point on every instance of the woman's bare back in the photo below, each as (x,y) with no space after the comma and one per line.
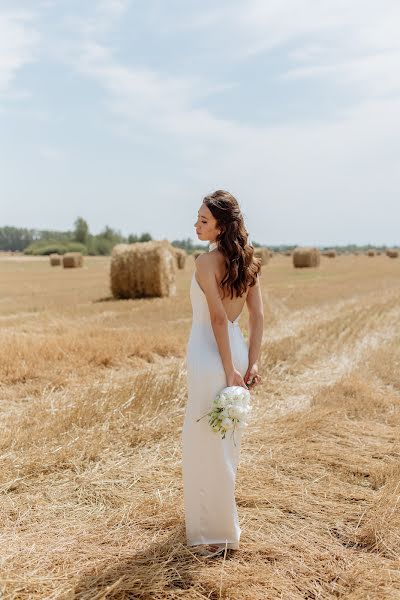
(233,306)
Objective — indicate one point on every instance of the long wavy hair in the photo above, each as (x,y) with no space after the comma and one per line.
(242,267)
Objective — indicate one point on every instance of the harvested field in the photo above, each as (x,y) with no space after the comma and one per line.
(92,401)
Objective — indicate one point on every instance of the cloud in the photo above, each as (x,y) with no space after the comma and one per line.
(19,41)
(50,153)
(115,8)
(355,43)
(149,99)
(104,15)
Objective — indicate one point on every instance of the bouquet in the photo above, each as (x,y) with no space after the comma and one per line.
(230,409)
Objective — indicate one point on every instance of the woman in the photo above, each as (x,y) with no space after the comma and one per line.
(217,356)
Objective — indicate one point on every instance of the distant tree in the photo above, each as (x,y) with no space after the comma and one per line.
(132,238)
(16,238)
(81,231)
(51,234)
(145,237)
(111,235)
(184,244)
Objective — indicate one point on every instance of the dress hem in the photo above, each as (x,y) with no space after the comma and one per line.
(230,545)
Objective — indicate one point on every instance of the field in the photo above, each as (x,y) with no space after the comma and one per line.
(91,410)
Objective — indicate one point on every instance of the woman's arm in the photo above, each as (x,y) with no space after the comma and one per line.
(205,270)
(256,326)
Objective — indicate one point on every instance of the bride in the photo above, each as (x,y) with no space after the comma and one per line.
(217,355)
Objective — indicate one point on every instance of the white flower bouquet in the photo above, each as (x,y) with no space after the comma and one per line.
(230,409)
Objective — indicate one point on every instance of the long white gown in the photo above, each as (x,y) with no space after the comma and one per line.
(209,463)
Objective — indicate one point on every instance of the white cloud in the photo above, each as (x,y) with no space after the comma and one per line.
(18,44)
(50,153)
(350,42)
(104,16)
(160,103)
(355,42)
(115,8)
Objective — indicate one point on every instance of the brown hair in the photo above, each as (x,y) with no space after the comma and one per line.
(242,267)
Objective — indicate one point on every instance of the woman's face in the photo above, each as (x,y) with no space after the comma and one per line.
(206,224)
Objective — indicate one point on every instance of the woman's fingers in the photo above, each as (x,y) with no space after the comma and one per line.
(255,380)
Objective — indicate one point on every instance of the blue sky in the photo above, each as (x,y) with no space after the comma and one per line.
(127,113)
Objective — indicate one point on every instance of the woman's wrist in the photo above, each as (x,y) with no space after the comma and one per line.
(229,370)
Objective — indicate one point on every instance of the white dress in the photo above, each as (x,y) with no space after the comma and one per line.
(209,462)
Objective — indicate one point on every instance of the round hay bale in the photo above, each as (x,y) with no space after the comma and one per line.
(197,253)
(287,253)
(180,256)
(306,257)
(262,253)
(55,260)
(143,270)
(370,253)
(72,260)
(329,253)
(392,253)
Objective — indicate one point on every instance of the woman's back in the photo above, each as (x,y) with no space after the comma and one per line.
(233,306)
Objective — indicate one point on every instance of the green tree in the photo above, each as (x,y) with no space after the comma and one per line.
(16,238)
(81,231)
(145,237)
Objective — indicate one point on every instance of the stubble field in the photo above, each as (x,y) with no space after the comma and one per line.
(92,400)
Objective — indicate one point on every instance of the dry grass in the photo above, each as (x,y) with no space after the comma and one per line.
(92,398)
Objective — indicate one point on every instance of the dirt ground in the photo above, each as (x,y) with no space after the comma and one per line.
(92,397)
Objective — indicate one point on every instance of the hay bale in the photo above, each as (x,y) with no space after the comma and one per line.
(329,253)
(55,260)
(370,253)
(143,270)
(72,260)
(262,253)
(306,257)
(392,253)
(180,256)
(287,253)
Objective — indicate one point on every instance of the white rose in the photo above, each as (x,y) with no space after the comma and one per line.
(227,423)
(224,402)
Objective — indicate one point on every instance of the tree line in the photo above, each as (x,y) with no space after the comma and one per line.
(43,241)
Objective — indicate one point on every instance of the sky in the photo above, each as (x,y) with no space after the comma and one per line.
(128,113)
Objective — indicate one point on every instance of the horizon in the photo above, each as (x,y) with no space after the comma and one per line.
(197,243)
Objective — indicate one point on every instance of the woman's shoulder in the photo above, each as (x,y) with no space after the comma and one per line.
(208,261)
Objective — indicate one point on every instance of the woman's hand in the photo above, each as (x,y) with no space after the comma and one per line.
(252,377)
(235,378)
